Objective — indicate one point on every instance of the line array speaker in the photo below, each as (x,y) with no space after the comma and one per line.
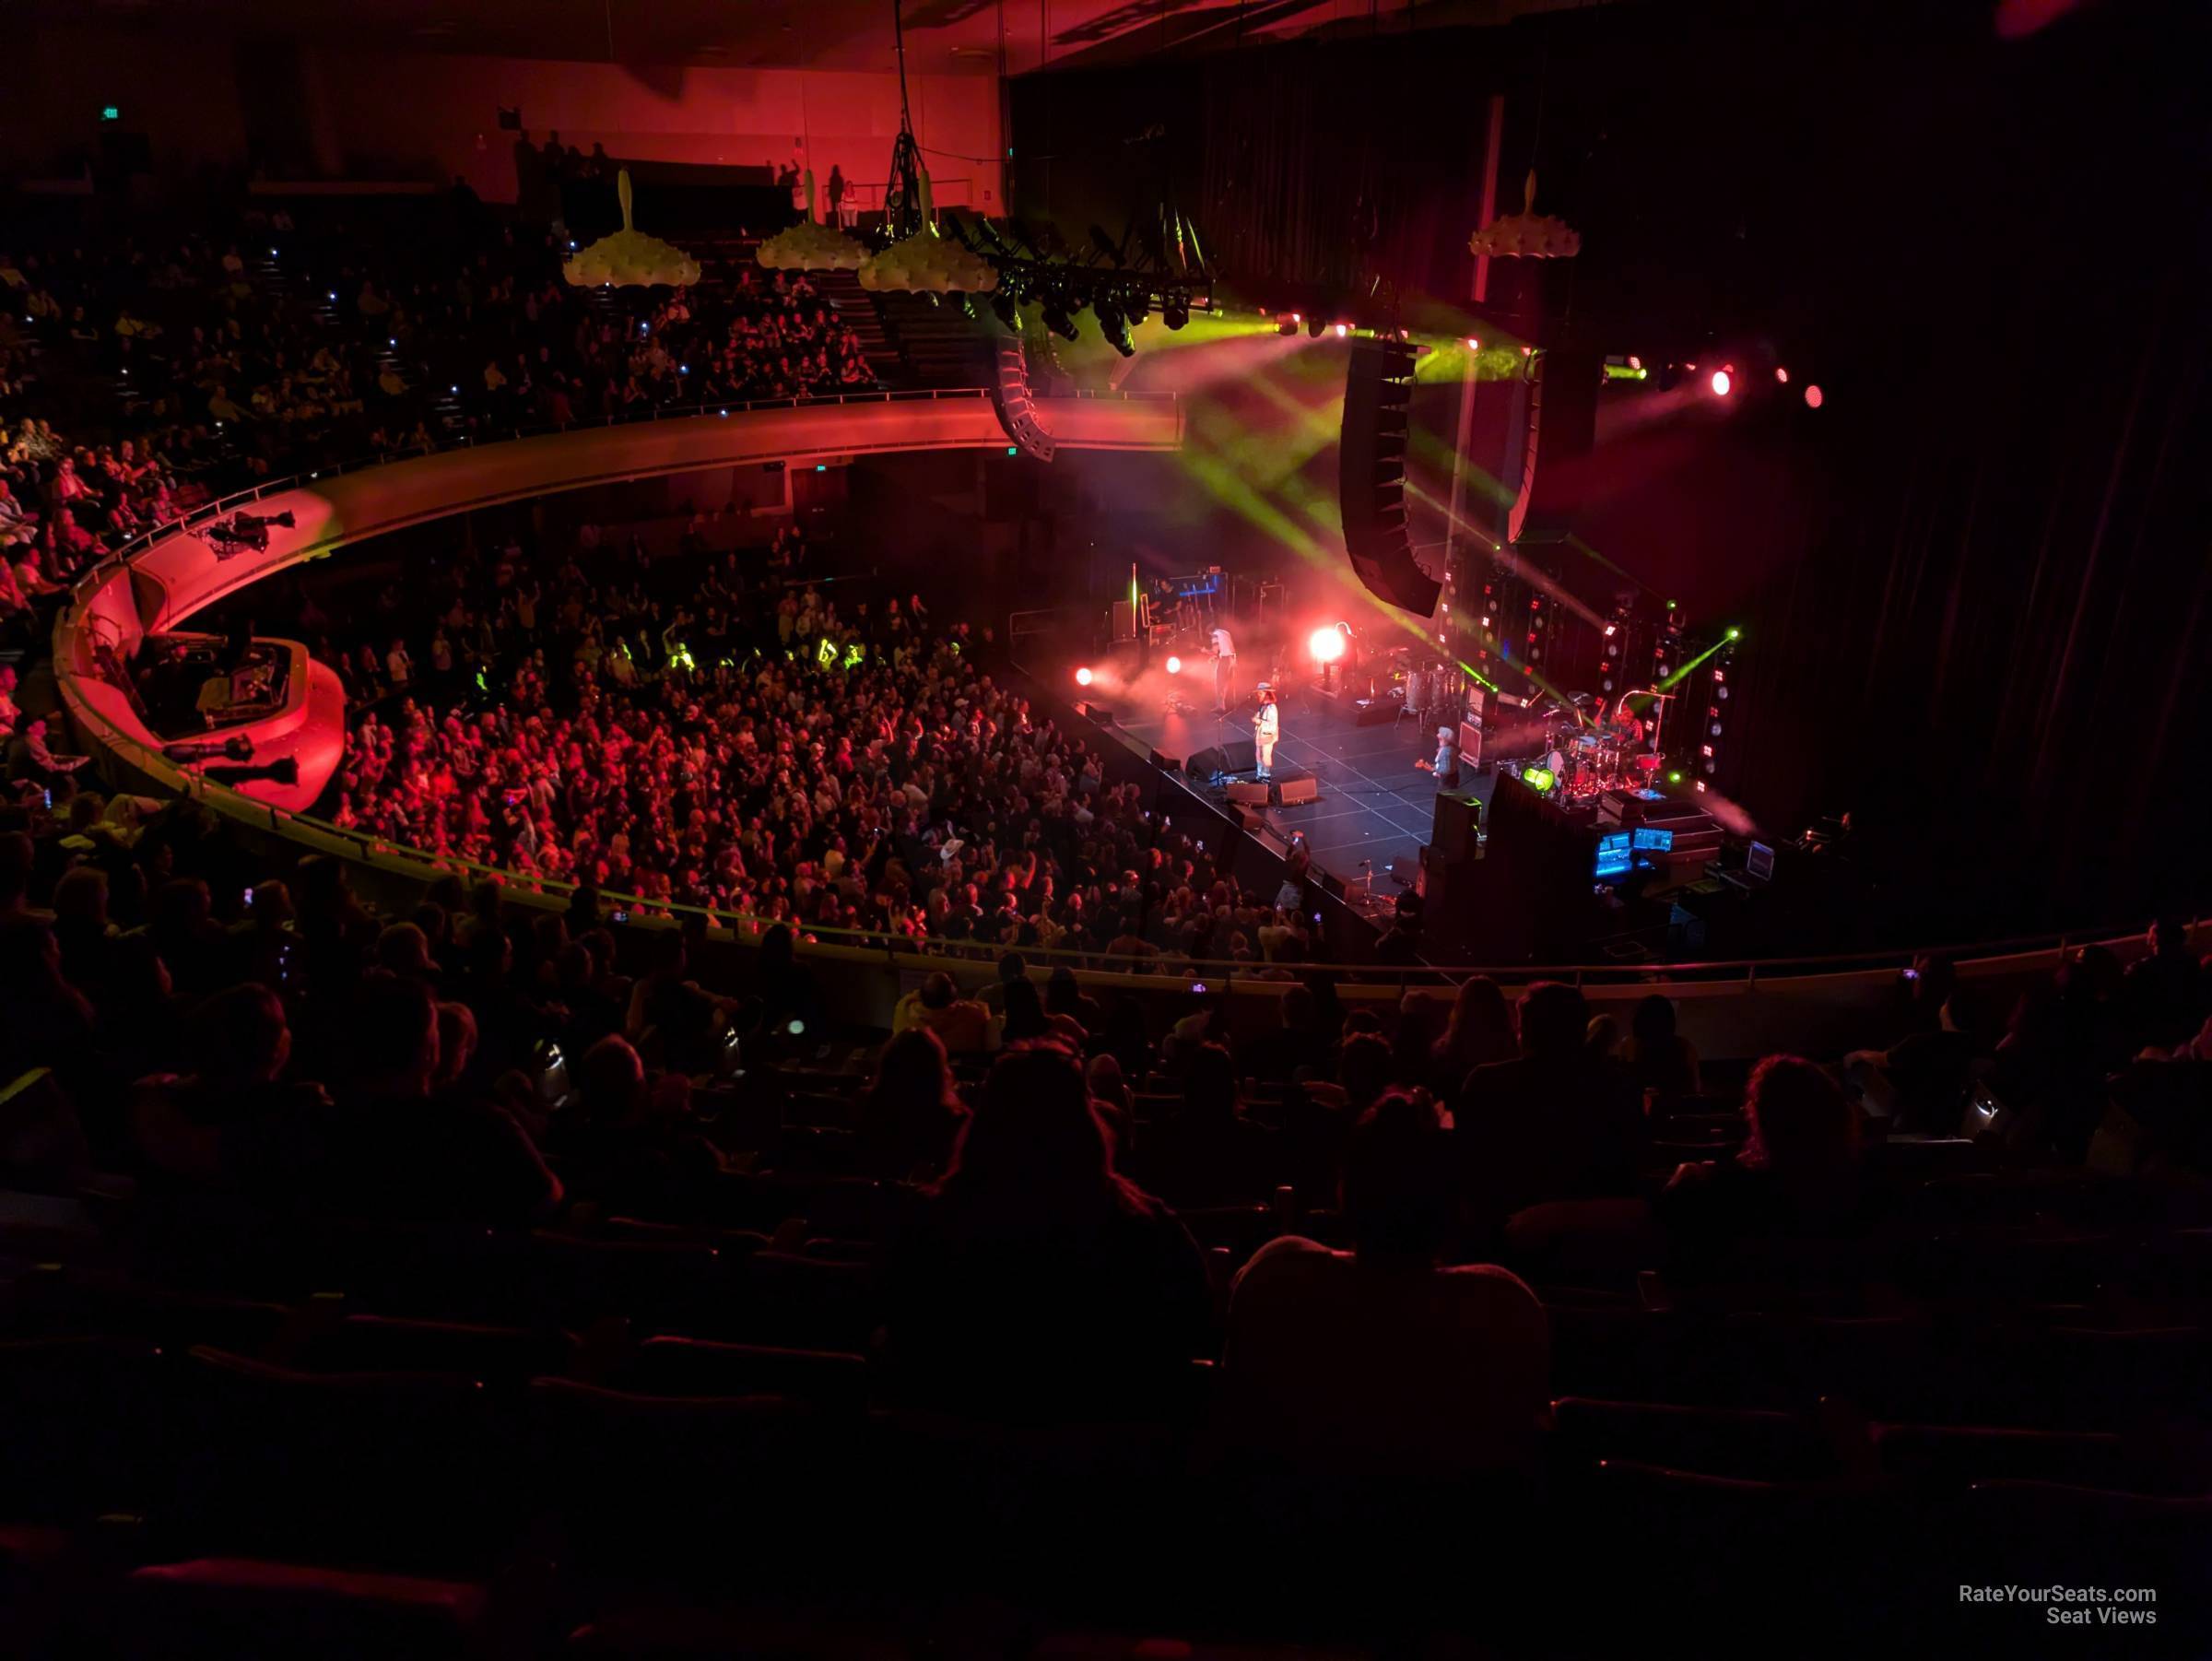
(1010,397)
(1371,476)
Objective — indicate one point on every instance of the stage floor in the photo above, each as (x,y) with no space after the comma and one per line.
(1376,808)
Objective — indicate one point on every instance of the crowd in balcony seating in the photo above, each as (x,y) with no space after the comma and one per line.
(137,380)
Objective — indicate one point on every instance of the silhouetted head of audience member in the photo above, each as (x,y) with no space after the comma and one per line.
(610,1081)
(1025,1012)
(242,1036)
(913,1110)
(1034,1155)
(1063,994)
(403,949)
(16,856)
(1363,1068)
(1801,1121)
(937,992)
(456,1043)
(1209,1088)
(1396,1184)
(2169,935)
(1555,1020)
(1654,1021)
(779,954)
(392,1022)
(1481,1026)
(81,898)
(1108,1084)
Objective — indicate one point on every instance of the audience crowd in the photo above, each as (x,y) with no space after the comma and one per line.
(1396,1234)
(138,378)
(1367,1216)
(682,731)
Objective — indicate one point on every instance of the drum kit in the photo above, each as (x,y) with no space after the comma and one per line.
(1588,760)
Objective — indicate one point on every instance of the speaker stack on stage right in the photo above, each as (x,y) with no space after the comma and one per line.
(1371,476)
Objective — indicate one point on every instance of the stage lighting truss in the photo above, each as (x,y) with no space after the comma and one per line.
(1119,285)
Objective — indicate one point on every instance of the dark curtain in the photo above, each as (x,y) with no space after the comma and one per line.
(1976,585)
(1340,163)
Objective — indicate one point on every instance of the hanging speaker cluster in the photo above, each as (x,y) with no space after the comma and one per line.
(1011,397)
(1378,393)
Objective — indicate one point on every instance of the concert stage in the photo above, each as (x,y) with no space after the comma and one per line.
(1375,809)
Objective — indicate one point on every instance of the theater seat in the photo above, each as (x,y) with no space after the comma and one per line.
(1762,1445)
(242,1609)
(84,1427)
(51,1300)
(1785,1559)
(697,1367)
(507,1357)
(681,1489)
(407,1471)
(1953,1456)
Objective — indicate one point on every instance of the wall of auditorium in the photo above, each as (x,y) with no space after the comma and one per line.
(182,96)
(708,116)
(368,113)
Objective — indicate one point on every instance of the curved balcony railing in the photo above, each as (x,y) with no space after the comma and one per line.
(1703,978)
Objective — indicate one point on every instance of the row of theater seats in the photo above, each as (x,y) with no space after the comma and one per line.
(431,1480)
(416,1402)
(667,1431)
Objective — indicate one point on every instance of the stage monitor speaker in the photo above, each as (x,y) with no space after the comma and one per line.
(1168,763)
(1249,818)
(1011,398)
(1234,757)
(1099,713)
(1252,795)
(1371,476)
(1297,793)
(1562,423)
(1457,824)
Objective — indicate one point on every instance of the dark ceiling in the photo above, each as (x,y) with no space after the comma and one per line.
(958,37)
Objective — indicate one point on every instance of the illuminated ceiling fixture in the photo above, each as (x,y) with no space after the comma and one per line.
(631,259)
(810,246)
(927,262)
(1527,234)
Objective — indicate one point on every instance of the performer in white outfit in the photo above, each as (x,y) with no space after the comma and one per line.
(1224,670)
(1265,727)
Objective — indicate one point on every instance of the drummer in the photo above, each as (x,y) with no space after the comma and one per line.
(1625,727)
(1619,724)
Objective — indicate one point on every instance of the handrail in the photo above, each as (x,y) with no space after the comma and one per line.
(503,434)
(1740,973)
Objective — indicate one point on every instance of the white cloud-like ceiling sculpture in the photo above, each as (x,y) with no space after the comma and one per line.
(811,246)
(928,262)
(1527,234)
(630,258)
